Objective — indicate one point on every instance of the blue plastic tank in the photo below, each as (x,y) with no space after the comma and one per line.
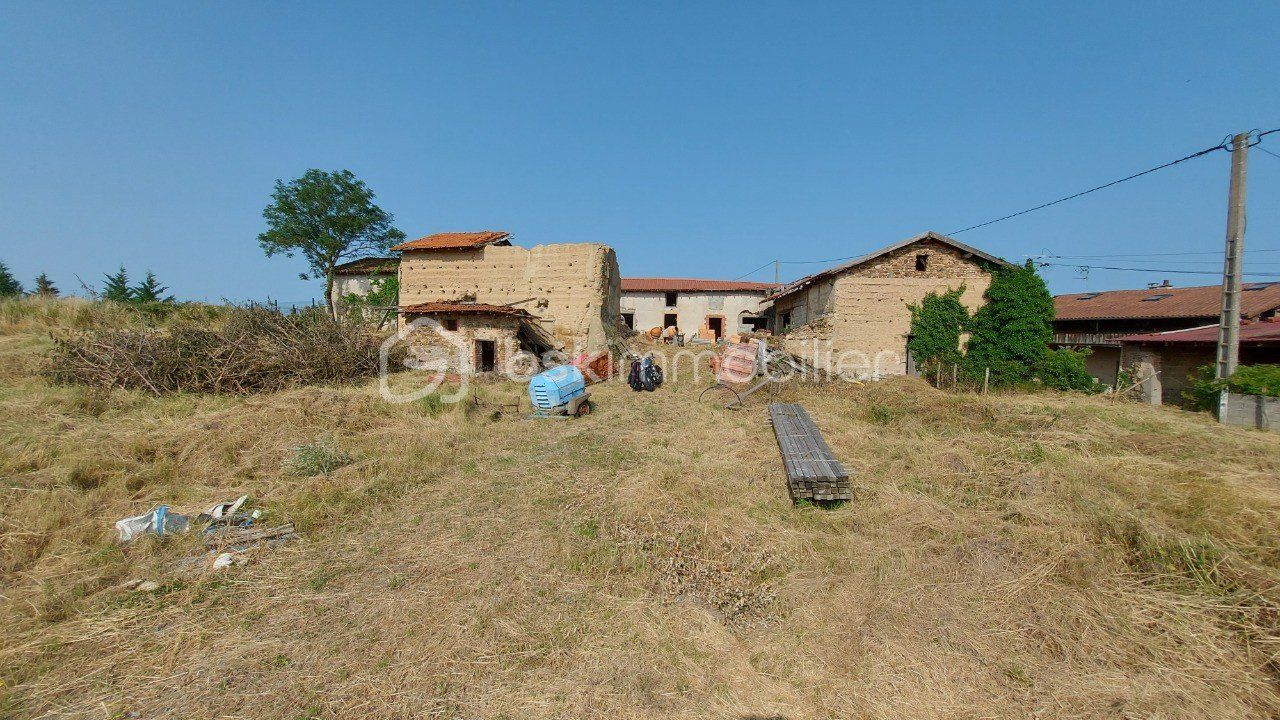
(556,386)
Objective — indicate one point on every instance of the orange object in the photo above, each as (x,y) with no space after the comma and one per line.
(737,363)
(595,367)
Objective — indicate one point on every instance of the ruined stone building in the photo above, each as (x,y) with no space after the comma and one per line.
(856,317)
(708,309)
(477,338)
(570,291)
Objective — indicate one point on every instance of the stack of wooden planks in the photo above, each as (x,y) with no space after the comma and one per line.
(813,473)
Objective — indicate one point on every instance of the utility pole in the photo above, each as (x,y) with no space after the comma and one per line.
(1229,327)
(777,276)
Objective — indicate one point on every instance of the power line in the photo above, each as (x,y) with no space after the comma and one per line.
(753,272)
(1220,146)
(1146,255)
(1269,152)
(1148,270)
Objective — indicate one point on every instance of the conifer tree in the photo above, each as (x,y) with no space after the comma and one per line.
(117,288)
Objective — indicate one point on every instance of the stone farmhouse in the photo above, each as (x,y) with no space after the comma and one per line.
(856,318)
(570,291)
(705,309)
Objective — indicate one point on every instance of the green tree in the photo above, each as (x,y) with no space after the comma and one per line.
(328,217)
(1011,333)
(936,325)
(9,285)
(117,288)
(45,286)
(150,291)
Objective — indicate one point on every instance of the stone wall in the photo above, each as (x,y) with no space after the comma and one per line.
(572,288)
(454,351)
(1174,363)
(860,319)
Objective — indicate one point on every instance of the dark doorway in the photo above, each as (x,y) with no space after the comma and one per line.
(486,355)
(629,319)
(669,320)
(716,326)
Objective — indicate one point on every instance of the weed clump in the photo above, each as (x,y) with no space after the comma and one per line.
(320,457)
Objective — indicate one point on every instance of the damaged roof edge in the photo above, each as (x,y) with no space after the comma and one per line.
(930,235)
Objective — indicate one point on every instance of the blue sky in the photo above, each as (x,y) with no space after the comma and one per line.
(697,139)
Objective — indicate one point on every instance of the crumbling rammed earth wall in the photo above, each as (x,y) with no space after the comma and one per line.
(866,310)
(572,288)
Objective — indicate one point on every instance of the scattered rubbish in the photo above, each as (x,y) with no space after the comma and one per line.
(158,522)
(238,538)
(813,473)
(560,392)
(227,559)
(645,374)
(237,531)
(740,363)
(222,509)
(147,586)
(226,529)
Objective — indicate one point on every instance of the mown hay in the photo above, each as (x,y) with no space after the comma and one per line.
(256,350)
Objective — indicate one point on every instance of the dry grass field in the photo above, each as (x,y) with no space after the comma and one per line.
(1008,556)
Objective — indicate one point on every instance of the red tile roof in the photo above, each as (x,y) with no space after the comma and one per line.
(461,308)
(1255,333)
(1204,301)
(692,285)
(457,241)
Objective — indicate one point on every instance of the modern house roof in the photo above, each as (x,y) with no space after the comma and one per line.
(804,282)
(1204,301)
(457,241)
(1251,333)
(464,308)
(368,266)
(693,285)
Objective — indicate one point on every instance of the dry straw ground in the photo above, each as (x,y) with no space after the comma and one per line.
(1009,556)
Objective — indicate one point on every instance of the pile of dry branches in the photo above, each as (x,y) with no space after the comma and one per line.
(255,350)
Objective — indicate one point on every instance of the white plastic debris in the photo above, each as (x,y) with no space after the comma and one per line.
(159,521)
(224,509)
(227,559)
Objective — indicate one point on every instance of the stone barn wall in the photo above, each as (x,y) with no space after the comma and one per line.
(572,288)
(863,314)
(455,350)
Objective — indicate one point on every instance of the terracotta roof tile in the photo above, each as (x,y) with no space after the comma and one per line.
(1261,333)
(460,308)
(1204,301)
(456,241)
(692,285)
